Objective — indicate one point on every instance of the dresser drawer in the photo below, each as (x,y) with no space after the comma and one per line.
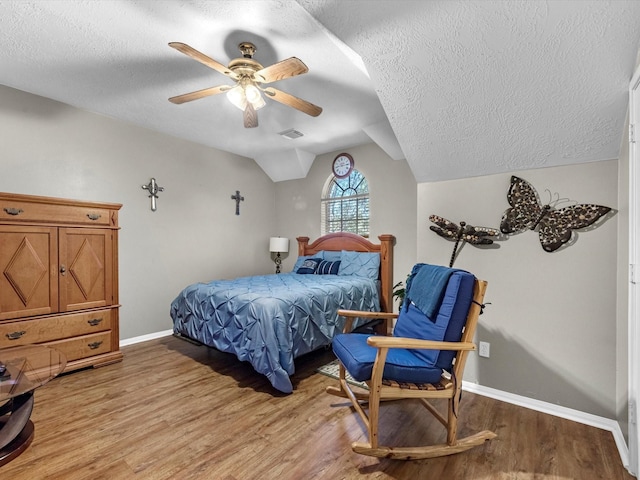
(46,329)
(22,211)
(84,346)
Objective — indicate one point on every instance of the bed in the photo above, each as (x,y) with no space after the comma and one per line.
(269,320)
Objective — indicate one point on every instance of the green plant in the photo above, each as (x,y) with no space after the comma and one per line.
(399,290)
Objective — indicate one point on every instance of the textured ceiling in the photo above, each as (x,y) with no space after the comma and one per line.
(458,88)
(483,87)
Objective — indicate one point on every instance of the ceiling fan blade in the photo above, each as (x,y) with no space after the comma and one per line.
(291,101)
(279,71)
(202,58)
(206,92)
(250,116)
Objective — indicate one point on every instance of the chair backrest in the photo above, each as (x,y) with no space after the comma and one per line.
(442,316)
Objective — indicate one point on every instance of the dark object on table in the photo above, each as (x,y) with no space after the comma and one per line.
(4,373)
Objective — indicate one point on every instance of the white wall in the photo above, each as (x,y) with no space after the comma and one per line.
(552,319)
(622,329)
(52,149)
(392,190)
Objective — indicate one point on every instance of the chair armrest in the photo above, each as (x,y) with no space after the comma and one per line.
(350,315)
(366,314)
(400,342)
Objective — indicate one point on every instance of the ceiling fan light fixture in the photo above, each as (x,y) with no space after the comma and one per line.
(253,96)
(237,97)
(243,93)
(246,95)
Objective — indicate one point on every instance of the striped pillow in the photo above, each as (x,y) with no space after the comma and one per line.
(328,268)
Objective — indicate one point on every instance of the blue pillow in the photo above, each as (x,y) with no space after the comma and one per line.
(445,324)
(360,264)
(329,255)
(309,266)
(328,268)
(299,261)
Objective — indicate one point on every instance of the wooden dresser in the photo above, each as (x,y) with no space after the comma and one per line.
(59,277)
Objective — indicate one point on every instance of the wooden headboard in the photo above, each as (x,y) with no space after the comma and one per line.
(356,243)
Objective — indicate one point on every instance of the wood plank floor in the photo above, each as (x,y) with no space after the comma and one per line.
(174,410)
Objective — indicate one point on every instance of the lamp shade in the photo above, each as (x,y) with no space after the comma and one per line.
(278,244)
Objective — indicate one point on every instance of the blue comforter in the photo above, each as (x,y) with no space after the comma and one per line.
(269,320)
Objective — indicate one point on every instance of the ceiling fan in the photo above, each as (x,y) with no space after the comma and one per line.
(249,76)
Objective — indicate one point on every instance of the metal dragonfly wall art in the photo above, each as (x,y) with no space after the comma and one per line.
(461,233)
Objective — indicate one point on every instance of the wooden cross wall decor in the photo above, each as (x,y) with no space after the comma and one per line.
(238,199)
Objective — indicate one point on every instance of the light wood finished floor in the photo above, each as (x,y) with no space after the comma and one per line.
(174,410)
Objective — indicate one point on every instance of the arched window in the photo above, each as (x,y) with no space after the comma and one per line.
(345,205)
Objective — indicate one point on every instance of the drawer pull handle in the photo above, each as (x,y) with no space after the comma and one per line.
(95,345)
(15,335)
(93,216)
(94,321)
(13,211)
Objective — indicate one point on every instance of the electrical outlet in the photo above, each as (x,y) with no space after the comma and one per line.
(485,348)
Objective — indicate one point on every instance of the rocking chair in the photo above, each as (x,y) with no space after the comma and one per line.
(424,358)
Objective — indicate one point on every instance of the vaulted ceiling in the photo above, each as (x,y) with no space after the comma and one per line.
(458,88)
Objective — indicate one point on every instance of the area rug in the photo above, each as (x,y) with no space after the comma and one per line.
(332,369)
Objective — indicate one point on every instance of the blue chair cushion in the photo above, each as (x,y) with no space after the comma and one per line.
(448,322)
(402,365)
(413,365)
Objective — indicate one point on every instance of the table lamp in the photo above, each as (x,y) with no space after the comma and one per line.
(278,245)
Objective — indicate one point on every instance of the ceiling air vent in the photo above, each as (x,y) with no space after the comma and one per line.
(291,134)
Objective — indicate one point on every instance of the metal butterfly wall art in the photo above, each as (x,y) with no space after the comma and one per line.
(555,226)
(462,232)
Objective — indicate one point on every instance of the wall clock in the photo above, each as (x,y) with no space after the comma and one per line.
(342,165)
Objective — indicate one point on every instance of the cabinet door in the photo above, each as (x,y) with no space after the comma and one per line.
(29,271)
(86,268)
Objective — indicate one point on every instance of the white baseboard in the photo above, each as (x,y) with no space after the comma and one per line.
(144,338)
(558,411)
(537,405)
